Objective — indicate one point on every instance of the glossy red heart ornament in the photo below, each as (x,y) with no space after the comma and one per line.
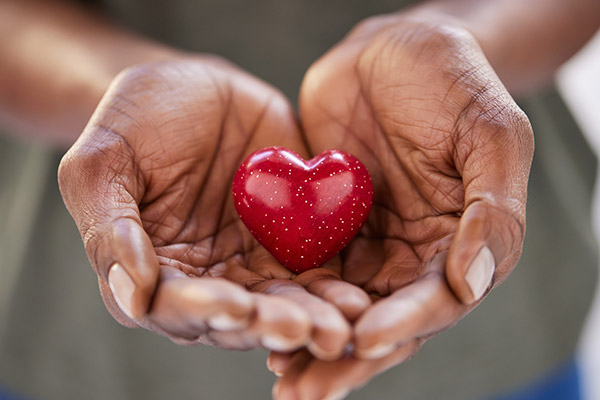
(302,212)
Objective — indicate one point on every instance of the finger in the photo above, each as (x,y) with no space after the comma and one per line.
(334,380)
(186,307)
(133,274)
(101,189)
(307,378)
(280,324)
(486,238)
(277,362)
(323,282)
(112,306)
(495,169)
(277,325)
(351,300)
(330,331)
(417,310)
(228,340)
(284,388)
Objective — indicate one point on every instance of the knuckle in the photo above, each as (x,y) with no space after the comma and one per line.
(492,119)
(66,172)
(508,126)
(445,37)
(370,25)
(77,171)
(94,162)
(495,121)
(524,130)
(92,172)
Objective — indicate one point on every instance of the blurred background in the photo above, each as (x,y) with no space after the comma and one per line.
(579,84)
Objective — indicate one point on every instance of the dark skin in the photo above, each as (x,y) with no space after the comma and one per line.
(412,95)
(165,143)
(426,114)
(424,111)
(161,167)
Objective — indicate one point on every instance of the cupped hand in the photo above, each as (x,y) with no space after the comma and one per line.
(449,153)
(149,186)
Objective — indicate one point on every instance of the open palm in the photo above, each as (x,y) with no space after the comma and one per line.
(449,153)
(149,185)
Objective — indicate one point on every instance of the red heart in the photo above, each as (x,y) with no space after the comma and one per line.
(302,212)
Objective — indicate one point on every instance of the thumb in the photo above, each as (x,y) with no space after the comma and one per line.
(128,263)
(101,190)
(483,252)
(490,234)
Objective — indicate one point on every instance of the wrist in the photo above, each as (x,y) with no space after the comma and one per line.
(54,103)
(51,100)
(479,23)
(525,42)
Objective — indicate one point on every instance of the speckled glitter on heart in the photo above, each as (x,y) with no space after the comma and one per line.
(302,212)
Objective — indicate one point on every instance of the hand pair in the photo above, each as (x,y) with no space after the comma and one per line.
(149,186)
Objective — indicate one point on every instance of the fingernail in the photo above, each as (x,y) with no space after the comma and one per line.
(122,287)
(277,343)
(225,322)
(374,352)
(480,272)
(273,368)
